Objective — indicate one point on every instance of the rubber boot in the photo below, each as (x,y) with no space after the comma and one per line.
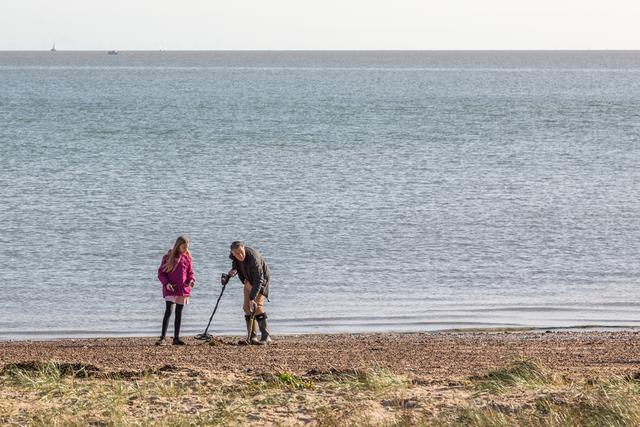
(253,339)
(264,329)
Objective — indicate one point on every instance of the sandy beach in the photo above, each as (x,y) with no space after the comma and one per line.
(366,379)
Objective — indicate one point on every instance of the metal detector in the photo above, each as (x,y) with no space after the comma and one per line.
(224,279)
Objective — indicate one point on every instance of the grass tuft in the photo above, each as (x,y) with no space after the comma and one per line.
(519,373)
(614,402)
(380,379)
(373,379)
(77,370)
(45,376)
(290,381)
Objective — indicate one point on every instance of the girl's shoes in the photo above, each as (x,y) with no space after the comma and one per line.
(160,341)
(178,341)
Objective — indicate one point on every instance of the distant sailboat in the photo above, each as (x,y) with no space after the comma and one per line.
(53,49)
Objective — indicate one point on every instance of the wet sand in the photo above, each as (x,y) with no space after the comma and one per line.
(421,356)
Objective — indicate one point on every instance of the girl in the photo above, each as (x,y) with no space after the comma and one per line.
(176,275)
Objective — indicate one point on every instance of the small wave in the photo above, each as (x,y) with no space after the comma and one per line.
(144,68)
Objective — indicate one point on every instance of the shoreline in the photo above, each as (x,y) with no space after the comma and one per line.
(40,337)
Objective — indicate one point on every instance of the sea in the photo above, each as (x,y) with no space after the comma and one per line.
(388,190)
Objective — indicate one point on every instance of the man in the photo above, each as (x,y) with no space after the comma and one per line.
(252,270)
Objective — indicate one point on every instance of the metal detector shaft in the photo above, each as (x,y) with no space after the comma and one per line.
(214,310)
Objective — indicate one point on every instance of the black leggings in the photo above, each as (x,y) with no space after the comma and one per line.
(178,319)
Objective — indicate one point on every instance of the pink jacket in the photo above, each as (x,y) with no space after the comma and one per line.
(180,277)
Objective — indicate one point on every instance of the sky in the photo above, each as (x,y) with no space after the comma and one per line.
(319,24)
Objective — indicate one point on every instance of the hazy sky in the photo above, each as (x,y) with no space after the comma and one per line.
(319,24)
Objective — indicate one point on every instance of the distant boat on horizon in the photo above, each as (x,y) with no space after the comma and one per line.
(53,48)
(112,52)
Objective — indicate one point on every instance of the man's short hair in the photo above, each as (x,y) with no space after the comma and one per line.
(237,244)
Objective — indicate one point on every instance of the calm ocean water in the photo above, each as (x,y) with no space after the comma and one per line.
(402,191)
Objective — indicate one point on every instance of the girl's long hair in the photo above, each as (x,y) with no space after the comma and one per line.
(171,263)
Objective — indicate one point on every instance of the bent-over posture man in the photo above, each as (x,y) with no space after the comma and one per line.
(253,272)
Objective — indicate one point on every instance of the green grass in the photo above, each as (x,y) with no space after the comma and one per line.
(290,381)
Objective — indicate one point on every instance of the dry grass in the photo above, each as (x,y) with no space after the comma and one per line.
(528,394)
(523,373)
(523,393)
